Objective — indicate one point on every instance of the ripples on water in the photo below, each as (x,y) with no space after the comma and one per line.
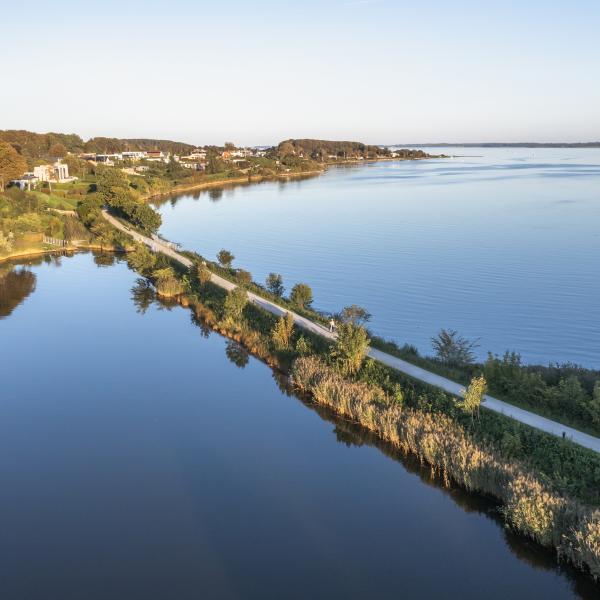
(503,246)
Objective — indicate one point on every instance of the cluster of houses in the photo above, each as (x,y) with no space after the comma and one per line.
(195,160)
(58,172)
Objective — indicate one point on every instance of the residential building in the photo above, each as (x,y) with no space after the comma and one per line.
(158,156)
(133,155)
(58,172)
(25,182)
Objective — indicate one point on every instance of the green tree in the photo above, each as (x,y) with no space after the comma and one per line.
(225,258)
(111,185)
(473,396)
(355,314)
(301,295)
(282,332)
(144,216)
(453,349)
(141,259)
(244,277)
(274,283)
(350,348)
(12,164)
(235,302)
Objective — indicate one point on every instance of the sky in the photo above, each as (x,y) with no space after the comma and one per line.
(254,73)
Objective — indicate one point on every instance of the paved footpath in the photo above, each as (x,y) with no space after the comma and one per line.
(519,414)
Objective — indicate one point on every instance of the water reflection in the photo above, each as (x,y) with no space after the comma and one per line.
(15,285)
(215,194)
(104,259)
(142,295)
(237,354)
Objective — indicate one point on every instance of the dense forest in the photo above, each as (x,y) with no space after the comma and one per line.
(317,149)
(323,150)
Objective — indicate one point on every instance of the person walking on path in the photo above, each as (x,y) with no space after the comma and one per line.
(331,325)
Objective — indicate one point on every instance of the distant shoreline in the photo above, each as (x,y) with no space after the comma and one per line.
(499,145)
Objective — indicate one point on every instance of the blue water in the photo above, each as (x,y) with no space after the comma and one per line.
(138,461)
(503,246)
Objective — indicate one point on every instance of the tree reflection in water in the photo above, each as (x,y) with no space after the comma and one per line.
(142,294)
(237,354)
(15,286)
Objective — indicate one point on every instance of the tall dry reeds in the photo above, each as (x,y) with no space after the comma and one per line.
(530,506)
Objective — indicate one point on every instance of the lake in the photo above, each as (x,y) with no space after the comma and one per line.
(141,459)
(502,246)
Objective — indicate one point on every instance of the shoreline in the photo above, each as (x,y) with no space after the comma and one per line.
(230,181)
(261,178)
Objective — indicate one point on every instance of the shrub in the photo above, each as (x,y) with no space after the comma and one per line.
(167,284)
(235,302)
(282,332)
(350,348)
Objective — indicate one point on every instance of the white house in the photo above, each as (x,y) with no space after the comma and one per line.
(58,172)
(133,155)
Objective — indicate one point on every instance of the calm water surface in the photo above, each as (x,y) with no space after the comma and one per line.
(503,246)
(140,459)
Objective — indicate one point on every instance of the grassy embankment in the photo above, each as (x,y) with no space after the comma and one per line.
(549,488)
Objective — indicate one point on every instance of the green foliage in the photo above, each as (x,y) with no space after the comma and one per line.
(304,347)
(453,349)
(565,393)
(89,209)
(235,302)
(167,283)
(301,295)
(473,396)
(274,283)
(225,258)
(282,332)
(113,190)
(350,348)
(141,259)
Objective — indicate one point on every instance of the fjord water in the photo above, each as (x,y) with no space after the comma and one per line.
(140,459)
(502,245)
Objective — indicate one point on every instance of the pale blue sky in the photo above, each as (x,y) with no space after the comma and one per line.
(381,71)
